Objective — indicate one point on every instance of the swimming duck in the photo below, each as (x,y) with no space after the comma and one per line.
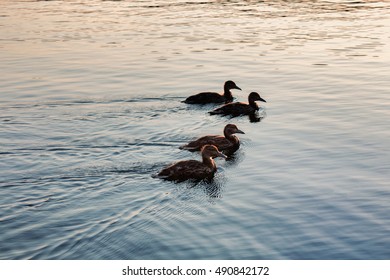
(229,143)
(193,169)
(213,97)
(239,108)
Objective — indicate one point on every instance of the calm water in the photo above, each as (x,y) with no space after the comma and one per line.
(90,108)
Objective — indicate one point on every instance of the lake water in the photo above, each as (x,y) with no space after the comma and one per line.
(90,108)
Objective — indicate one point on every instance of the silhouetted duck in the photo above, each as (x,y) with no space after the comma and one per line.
(239,108)
(193,169)
(229,143)
(213,97)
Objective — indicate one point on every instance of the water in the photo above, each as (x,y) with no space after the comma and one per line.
(90,109)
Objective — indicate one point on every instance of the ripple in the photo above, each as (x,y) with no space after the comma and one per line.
(88,113)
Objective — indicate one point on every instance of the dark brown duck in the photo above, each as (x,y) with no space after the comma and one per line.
(240,108)
(213,97)
(193,169)
(227,143)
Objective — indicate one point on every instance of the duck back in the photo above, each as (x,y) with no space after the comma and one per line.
(205,98)
(213,97)
(234,109)
(217,140)
(187,169)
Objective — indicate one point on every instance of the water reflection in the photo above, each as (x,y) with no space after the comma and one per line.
(90,109)
(257,116)
(212,187)
(253,6)
(235,158)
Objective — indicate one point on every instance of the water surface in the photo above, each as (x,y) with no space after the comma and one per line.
(90,109)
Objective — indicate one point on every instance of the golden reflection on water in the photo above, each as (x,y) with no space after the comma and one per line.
(90,108)
(240,23)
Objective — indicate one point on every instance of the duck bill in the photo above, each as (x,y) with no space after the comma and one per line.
(240,131)
(236,87)
(261,99)
(221,155)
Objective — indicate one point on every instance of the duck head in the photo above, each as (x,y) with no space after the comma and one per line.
(254,96)
(232,129)
(211,151)
(230,85)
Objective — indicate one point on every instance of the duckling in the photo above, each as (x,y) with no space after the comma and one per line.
(240,108)
(193,169)
(228,144)
(213,97)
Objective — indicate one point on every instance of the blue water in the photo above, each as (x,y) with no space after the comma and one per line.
(90,108)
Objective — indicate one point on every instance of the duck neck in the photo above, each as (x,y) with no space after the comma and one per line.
(207,160)
(227,93)
(253,104)
(231,137)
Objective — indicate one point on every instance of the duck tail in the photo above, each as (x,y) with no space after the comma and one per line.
(187,148)
(190,100)
(161,175)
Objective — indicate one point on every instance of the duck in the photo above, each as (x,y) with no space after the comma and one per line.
(240,108)
(193,169)
(227,143)
(213,97)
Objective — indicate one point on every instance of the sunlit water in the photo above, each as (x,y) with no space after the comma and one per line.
(90,108)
